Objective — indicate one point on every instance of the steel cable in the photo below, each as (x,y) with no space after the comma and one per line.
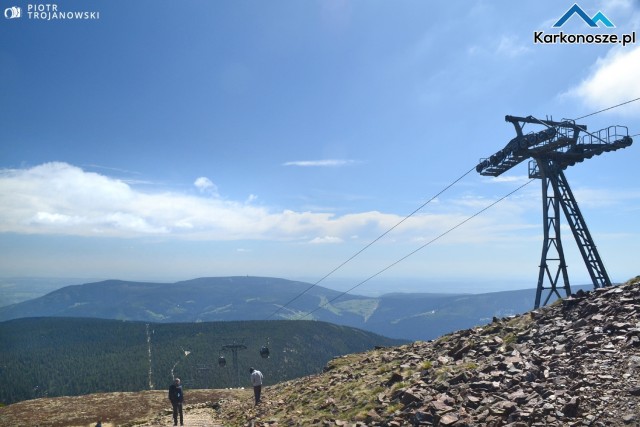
(372,242)
(416,250)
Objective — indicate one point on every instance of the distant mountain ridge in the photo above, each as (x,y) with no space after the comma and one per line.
(406,316)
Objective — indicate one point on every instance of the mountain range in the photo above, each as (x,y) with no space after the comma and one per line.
(574,363)
(397,315)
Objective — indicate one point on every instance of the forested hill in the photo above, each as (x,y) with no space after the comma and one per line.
(73,356)
(410,316)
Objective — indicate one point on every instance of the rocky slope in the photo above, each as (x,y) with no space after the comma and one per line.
(571,364)
(575,363)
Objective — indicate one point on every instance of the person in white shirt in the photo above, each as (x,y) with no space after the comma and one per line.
(256,381)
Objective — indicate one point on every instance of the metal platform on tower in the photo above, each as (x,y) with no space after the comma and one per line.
(551,150)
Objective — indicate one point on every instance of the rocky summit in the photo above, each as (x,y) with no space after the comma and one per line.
(573,363)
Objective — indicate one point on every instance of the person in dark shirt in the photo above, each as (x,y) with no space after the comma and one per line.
(176,396)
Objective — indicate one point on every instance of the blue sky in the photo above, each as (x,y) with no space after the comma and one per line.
(167,141)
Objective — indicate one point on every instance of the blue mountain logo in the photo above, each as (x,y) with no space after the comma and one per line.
(592,22)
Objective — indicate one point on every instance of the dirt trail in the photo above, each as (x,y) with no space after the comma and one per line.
(140,409)
(203,413)
(200,417)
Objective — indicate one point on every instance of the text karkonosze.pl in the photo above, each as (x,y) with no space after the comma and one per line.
(539,37)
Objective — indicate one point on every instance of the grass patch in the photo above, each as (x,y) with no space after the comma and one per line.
(393,408)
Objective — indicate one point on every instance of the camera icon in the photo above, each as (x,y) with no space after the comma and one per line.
(13,12)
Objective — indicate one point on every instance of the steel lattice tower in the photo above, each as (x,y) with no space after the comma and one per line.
(558,146)
(234,352)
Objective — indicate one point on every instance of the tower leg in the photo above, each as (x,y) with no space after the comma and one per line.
(552,262)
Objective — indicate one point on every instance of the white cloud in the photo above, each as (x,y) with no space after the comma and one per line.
(509,179)
(320,163)
(63,199)
(600,198)
(47,218)
(511,47)
(506,46)
(205,185)
(58,198)
(326,239)
(614,80)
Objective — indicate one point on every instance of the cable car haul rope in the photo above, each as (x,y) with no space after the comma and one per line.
(552,150)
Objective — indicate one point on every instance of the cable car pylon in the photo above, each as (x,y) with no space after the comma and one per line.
(234,352)
(551,150)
